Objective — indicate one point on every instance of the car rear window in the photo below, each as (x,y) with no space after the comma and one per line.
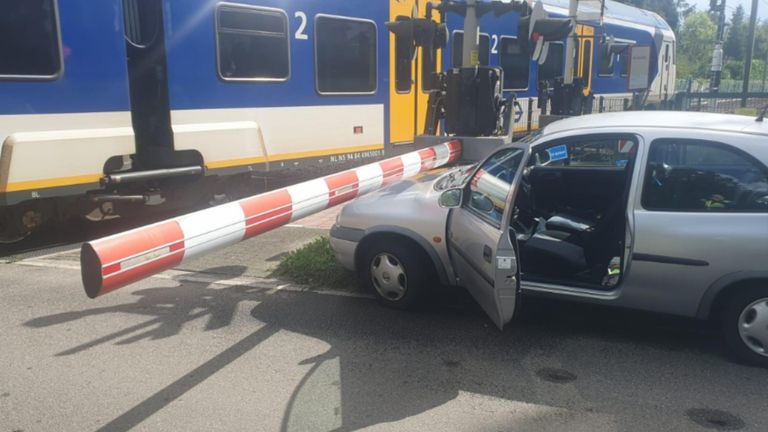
(692,175)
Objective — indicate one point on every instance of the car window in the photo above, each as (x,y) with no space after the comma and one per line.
(587,152)
(490,185)
(690,175)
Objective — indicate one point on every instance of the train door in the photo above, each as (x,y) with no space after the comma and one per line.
(671,68)
(585,50)
(409,78)
(666,69)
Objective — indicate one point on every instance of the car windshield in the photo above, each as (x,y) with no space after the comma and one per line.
(455,178)
(459,176)
(531,137)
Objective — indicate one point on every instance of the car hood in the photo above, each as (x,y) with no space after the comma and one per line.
(408,204)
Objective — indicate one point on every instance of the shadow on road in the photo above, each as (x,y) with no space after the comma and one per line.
(588,363)
(168,308)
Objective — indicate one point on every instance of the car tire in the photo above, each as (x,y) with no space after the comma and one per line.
(744,323)
(399,273)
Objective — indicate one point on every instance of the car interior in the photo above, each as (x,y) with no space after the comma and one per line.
(569,214)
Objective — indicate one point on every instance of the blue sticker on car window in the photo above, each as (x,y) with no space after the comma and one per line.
(621,163)
(557,153)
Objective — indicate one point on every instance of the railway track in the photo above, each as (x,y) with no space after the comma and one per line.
(55,237)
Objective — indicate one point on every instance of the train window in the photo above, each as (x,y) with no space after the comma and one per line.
(673,53)
(483,52)
(624,62)
(516,63)
(29,40)
(252,43)
(345,55)
(552,68)
(606,61)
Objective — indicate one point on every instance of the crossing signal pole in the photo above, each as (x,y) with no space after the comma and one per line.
(750,50)
(718,7)
(570,44)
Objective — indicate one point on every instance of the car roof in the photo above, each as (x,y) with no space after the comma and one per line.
(661,119)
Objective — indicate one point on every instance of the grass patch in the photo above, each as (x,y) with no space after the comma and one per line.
(752,112)
(315,264)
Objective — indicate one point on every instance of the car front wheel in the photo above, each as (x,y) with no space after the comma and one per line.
(745,325)
(398,273)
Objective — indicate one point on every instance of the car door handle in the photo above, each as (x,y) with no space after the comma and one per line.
(487,252)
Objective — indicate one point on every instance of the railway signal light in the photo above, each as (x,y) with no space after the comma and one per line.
(411,33)
(418,32)
(539,29)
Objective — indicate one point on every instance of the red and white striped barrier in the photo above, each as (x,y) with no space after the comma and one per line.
(493,187)
(116,261)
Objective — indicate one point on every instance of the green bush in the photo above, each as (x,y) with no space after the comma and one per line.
(315,264)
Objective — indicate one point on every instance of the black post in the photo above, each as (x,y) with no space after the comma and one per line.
(530,114)
(750,50)
(601,104)
(680,97)
(717,53)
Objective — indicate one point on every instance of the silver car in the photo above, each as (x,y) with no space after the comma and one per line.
(659,211)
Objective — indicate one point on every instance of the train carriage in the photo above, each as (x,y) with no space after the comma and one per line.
(109,107)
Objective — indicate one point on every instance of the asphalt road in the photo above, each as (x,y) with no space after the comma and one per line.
(221,346)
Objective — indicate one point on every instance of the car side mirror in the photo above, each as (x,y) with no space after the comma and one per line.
(451,198)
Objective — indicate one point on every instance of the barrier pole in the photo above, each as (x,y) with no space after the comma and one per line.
(113,262)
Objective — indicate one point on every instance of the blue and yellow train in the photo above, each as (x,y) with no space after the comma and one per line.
(113,105)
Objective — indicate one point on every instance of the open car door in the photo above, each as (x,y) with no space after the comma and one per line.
(481,243)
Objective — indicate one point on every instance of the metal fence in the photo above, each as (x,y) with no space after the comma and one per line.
(603,104)
(727,86)
(727,103)
(724,103)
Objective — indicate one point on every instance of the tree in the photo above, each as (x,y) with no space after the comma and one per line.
(761,41)
(695,41)
(736,42)
(733,69)
(684,8)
